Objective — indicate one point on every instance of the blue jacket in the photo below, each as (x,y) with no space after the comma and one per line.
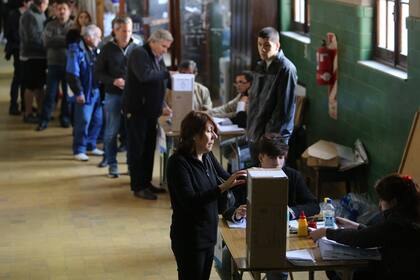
(79,68)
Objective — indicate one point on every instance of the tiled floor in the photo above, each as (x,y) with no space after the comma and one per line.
(62,219)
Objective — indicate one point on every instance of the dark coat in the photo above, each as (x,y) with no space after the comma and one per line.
(146,83)
(399,242)
(272,99)
(11,33)
(111,64)
(193,186)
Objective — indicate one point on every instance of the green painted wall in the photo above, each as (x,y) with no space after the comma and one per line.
(373,106)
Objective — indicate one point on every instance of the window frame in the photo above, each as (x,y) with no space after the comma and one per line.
(392,58)
(298,26)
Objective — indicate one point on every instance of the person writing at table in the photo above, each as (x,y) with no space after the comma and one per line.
(196,181)
(398,236)
(271,154)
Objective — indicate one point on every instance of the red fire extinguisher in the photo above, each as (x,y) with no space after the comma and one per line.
(324,65)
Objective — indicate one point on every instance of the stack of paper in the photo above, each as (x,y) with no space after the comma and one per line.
(331,250)
(241,224)
(299,256)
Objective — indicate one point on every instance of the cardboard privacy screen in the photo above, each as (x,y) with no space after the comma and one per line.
(410,163)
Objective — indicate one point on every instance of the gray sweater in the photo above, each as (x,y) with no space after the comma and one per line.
(30,32)
(54,38)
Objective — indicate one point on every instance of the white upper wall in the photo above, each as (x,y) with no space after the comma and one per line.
(414,5)
(415,8)
(357,2)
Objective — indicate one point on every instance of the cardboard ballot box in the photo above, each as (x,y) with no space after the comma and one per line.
(266,230)
(182,98)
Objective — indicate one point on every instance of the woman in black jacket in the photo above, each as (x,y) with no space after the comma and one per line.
(398,236)
(195,181)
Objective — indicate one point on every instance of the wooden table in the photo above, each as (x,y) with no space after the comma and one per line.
(236,244)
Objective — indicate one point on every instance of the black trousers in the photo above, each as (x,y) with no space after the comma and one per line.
(193,264)
(16,84)
(141,140)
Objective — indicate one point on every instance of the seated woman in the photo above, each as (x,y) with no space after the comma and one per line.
(271,154)
(398,236)
(196,181)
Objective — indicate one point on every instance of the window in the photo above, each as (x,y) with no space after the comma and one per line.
(300,15)
(391,32)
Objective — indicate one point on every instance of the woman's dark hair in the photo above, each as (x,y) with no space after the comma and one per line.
(192,125)
(272,144)
(76,21)
(404,191)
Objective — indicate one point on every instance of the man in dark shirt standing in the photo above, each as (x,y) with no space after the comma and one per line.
(11,33)
(144,91)
(273,92)
(111,69)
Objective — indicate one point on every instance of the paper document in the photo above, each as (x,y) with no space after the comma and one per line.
(331,250)
(229,128)
(222,121)
(300,255)
(241,224)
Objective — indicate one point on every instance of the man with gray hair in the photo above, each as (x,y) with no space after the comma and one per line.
(81,57)
(144,91)
(111,69)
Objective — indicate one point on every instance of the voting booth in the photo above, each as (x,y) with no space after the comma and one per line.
(182,98)
(267,215)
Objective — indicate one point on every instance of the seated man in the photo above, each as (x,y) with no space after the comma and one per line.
(236,108)
(271,154)
(201,97)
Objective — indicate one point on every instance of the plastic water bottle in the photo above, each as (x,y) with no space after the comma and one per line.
(328,211)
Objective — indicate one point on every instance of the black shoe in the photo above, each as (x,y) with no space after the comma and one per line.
(42,126)
(30,119)
(64,122)
(155,189)
(145,194)
(13,111)
(122,148)
(103,163)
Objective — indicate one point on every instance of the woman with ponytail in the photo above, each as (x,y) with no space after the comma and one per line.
(397,237)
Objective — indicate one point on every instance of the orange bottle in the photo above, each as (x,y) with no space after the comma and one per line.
(302,225)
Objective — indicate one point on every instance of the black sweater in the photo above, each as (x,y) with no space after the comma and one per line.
(194,191)
(300,197)
(146,83)
(111,64)
(399,242)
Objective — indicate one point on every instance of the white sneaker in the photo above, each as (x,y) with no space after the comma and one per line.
(96,152)
(81,157)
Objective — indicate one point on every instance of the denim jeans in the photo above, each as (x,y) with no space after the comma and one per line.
(87,124)
(112,110)
(55,75)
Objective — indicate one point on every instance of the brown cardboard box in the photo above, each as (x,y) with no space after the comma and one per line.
(182,98)
(330,154)
(266,230)
(322,153)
